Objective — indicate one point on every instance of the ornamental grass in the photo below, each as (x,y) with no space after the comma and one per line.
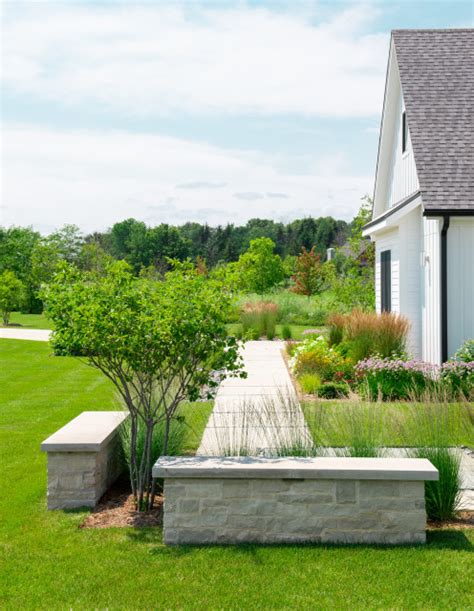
(368,333)
(259,319)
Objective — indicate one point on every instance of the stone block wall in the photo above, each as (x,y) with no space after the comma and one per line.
(226,510)
(79,479)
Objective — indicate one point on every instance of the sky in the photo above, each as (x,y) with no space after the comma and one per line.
(213,112)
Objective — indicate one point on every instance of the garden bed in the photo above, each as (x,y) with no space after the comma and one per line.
(116,509)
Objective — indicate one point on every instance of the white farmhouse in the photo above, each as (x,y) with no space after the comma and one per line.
(423,217)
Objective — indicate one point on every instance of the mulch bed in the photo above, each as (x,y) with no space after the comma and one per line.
(116,509)
(465,519)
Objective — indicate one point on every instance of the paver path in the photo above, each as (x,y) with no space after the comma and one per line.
(37,335)
(259,413)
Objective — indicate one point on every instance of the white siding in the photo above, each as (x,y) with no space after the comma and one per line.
(403,178)
(431,318)
(411,277)
(388,241)
(460,282)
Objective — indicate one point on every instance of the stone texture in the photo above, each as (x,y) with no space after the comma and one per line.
(80,478)
(210,511)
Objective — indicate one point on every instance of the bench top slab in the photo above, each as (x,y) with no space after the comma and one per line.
(406,469)
(88,432)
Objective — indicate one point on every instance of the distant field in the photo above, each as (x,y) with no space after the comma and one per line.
(39,321)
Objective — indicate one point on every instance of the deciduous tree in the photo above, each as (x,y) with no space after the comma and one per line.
(160,343)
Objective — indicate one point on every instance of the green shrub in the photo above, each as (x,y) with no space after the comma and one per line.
(286,332)
(466,352)
(457,378)
(259,319)
(333,390)
(315,356)
(442,497)
(310,383)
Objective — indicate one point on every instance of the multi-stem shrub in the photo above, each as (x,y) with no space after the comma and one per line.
(176,439)
(259,319)
(286,332)
(368,333)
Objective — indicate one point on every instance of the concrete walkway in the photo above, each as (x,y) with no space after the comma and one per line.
(36,335)
(259,414)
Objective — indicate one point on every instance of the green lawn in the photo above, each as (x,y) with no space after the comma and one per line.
(29,321)
(48,562)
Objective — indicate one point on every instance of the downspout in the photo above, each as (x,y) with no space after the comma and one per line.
(444,289)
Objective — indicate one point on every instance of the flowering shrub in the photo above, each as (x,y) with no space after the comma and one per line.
(393,378)
(466,352)
(459,377)
(315,356)
(399,379)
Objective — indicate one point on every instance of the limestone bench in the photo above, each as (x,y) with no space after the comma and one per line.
(287,500)
(83,459)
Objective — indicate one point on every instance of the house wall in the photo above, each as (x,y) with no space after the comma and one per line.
(411,277)
(388,241)
(460,282)
(403,178)
(431,315)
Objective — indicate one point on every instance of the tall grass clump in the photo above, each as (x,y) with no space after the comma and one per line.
(259,319)
(361,427)
(369,333)
(336,323)
(272,426)
(442,497)
(429,428)
(363,334)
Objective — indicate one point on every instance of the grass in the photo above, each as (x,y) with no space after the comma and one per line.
(48,562)
(29,321)
(396,424)
(296,330)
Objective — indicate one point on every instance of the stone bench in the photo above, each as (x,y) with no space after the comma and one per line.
(83,459)
(288,500)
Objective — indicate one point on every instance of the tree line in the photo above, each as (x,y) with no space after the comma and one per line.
(33,258)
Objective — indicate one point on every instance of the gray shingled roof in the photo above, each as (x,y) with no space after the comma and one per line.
(437,77)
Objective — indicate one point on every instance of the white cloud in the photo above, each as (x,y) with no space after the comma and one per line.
(153,60)
(94,178)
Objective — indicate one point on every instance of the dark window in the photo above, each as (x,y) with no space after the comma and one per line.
(386,280)
(404,131)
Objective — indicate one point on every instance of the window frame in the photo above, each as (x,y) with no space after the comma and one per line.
(386,280)
(404,132)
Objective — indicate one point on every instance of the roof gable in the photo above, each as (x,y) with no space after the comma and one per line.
(436,69)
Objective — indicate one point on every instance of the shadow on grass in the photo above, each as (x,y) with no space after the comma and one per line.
(448,539)
(439,540)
